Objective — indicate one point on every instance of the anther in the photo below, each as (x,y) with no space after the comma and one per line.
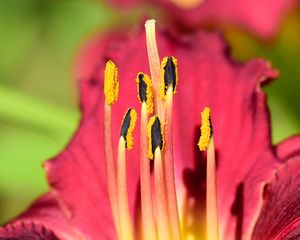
(128,126)
(169,75)
(145,90)
(111,83)
(206,129)
(155,134)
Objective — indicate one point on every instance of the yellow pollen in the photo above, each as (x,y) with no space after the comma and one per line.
(150,133)
(172,82)
(129,135)
(111,83)
(206,129)
(149,91)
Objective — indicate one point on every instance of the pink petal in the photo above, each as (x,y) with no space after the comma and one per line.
(280,215)
(44,220)
(261,17)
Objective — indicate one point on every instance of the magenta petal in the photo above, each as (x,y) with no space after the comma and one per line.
(44,220)
(280,214)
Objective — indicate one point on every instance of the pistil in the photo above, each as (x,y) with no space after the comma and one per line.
(154,63)
(168,88)
(145,95)
(156,143)
(125,142)
(206,142)
(111,89)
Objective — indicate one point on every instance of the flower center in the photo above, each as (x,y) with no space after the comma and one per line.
(159,207)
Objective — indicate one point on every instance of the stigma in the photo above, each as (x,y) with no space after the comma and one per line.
(160,211)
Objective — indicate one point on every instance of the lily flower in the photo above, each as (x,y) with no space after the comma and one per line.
(261,18)
(115,182)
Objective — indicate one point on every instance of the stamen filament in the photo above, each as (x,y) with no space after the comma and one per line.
(212,225)
(154,62)
(126,230)
(169,169)
(110,165)
(149,229)
(160,198)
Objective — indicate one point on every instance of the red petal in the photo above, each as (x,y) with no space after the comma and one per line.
(280,215)
(261,17)
(207,76)
(44,220)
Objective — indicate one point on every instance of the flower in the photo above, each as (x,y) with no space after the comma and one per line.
(256,181)
(259,17)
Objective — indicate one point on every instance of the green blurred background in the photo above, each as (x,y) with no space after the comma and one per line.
(38,102)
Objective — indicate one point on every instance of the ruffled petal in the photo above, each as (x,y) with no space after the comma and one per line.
(26,231)
(43,220)
(280,214)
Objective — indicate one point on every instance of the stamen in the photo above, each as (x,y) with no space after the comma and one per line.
(154,63)
(111,87)
(149,227)
(111,83)
(156,142)
(169,69)
(169,75)
(125,142)
(145,91)
(207,141)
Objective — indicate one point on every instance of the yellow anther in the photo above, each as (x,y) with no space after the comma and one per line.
(128,126)
(145,90)
(206,129)
(111,83)
(155,136)
(169,75)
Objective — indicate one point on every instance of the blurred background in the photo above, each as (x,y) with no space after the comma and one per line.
(38,100)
